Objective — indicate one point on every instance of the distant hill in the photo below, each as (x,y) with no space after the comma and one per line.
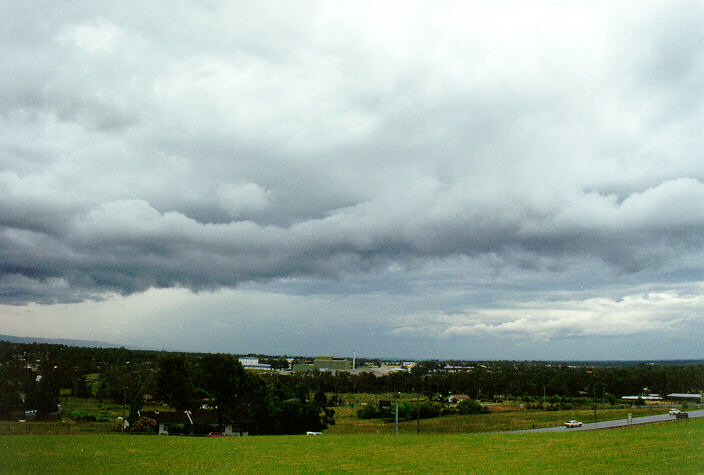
(57,341)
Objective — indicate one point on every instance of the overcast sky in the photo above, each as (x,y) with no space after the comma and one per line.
(487,180)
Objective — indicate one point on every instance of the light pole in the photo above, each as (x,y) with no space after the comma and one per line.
(593,390)
(594,398)
(124,404)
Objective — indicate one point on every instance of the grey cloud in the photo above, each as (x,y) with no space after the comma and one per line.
(128,246)
(327,150)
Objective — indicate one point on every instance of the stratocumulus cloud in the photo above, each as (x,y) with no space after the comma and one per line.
(128,246)
(356,148)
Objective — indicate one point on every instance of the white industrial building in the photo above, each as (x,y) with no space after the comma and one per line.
(252,362)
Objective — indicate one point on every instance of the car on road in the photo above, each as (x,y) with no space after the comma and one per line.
(216,434)
(674,411)
(573,423)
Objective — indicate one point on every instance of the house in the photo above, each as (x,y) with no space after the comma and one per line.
(163,418)
(385,369)
(189,419)
(685,397)
(302,367)
(324,363)
(455,398)
(251,362)
(649,397)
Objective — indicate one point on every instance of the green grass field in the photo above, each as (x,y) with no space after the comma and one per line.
(654,448)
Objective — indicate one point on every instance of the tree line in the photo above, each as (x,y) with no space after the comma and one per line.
(31,377)
(490,380)
(271,402)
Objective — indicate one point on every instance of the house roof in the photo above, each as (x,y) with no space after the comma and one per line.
(181,417)
(644,398)
(685,396)
(166,417)
(458,396)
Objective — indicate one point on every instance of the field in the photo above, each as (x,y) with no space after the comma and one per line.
(502,418)
(654,448)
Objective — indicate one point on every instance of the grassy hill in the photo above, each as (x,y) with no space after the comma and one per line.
(667,447)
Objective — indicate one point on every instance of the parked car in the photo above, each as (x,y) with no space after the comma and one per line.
(216,434)
(674,411)
(573,423)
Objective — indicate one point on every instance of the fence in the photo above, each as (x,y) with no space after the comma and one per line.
(46,428)
(7,427)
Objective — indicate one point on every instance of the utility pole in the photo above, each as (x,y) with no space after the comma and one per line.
(124,404)
(396,422)
(594,393)
(593,373)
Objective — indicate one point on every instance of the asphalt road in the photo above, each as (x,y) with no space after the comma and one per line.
(617,423)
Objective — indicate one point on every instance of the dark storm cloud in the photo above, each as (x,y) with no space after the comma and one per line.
(128,246)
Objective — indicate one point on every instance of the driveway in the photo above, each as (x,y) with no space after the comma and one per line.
(616,423)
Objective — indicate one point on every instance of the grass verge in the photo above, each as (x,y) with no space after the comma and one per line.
(654,448)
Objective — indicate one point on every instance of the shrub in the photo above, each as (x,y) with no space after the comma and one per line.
(470,406)
(116,425)
(335,400)
(422,410)
(144,424)
(83,416)
(368,412)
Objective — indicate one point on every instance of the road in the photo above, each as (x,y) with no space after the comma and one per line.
(616,423)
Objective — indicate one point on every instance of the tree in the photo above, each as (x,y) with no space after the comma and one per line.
(44,395)
(12,378)
(302,392)
(225,381)
(425,367)
(327,415)
(135,395)
(125,385)
(174,382)
(279,363)
(321,400)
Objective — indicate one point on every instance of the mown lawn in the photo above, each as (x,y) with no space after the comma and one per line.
(654,448)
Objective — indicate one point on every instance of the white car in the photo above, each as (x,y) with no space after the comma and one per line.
(674,411)
(573,423)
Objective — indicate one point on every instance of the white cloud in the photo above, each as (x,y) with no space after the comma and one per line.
(99,36)
(243,198)
(664,313)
